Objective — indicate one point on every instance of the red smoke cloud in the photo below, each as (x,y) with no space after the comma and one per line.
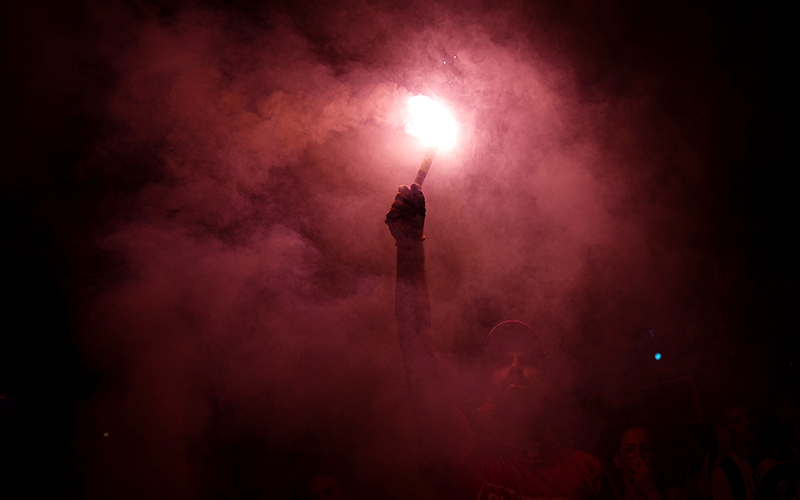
(237,286)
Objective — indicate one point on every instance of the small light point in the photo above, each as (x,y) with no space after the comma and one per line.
(658,356)
(105,434)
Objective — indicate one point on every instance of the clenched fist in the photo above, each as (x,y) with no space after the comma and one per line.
(406,218)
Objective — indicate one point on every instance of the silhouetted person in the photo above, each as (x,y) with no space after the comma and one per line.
(732,475)
(520,460)
(633,459)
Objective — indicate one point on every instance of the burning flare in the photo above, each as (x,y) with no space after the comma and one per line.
(433,124)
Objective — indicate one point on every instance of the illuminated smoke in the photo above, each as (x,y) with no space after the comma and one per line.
(233,284)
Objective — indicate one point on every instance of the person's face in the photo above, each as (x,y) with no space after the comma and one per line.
(634,444)
(514,379)
(742,431)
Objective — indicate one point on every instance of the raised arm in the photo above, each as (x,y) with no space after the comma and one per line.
(440,425)
(406,221)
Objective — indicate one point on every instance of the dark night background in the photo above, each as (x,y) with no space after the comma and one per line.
(196,262)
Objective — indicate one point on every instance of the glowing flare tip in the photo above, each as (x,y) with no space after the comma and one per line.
(431,122)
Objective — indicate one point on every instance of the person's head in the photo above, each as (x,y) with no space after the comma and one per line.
(635,443)
(737,424)
(515,359)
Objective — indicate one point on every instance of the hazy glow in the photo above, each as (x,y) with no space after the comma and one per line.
(658,356)
(222,253)
(431,122)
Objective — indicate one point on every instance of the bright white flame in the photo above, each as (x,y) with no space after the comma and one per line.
(431,122)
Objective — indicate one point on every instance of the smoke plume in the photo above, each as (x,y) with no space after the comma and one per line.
(220,172)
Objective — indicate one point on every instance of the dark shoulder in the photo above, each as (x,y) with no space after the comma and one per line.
(579,457)
(588,471)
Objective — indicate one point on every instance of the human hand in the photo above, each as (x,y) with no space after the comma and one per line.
(406,218)
(643,478)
